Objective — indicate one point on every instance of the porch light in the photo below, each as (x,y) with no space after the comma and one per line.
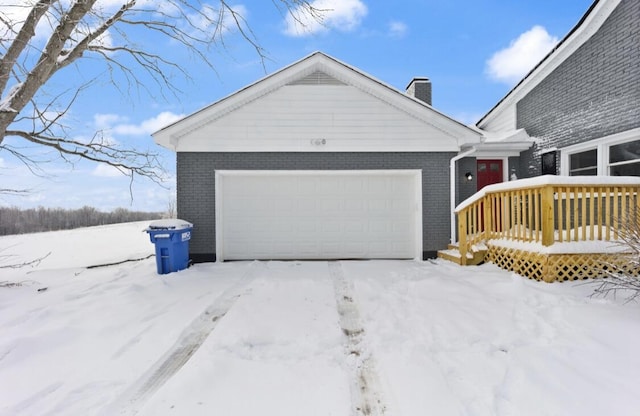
(468,176)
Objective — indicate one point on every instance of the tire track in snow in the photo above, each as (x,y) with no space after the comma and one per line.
(193,336)
(366,395)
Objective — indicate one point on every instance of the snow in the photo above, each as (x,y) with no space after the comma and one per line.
(246,338)
(548,180)
(565,247)
(170,224)
(510,136)
(5,103)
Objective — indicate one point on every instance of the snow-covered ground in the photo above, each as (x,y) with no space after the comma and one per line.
(300,338)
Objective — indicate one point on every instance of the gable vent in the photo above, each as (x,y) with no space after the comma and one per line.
(317,78)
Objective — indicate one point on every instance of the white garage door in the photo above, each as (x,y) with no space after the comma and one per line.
(318,214)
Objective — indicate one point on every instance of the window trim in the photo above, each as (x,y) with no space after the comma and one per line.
(601,145)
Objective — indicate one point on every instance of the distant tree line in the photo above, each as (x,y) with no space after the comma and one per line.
(21,221)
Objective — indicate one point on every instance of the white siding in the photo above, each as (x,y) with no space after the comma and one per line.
(299,117)
(504,120)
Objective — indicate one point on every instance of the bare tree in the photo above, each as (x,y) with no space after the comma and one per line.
(102,31)
(622,278)
(171,211)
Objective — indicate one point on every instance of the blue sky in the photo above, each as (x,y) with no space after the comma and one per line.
(474,51)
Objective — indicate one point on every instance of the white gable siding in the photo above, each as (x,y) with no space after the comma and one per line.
(501,121)
(300,117)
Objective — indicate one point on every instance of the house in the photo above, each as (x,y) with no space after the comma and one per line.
(318,161)
(581,103)
(581,108)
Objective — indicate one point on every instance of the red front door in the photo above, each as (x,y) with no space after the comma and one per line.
(489,171)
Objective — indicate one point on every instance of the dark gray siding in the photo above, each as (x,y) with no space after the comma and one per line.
(594,93)
(196,186)
(514,168)
(465,188)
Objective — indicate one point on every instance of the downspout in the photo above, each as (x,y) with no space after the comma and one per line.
(452,168)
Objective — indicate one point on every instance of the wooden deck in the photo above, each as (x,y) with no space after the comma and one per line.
(550,228)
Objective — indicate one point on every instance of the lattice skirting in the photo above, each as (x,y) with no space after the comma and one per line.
(559,267)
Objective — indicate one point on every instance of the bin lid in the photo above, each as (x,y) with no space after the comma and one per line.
(169,224)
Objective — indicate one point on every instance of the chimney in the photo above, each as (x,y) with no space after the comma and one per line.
(420,88)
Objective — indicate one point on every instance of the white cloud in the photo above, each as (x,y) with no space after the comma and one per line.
(108,4)
(105,40)
(106,171)
(148,126)
(511,64)
(342,15)
(467,118)
(15,13)
(208,19)
(397,29)
(105,121)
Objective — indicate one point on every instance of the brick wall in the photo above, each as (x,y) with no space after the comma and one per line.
(594,93)
(196,186)
(466,188)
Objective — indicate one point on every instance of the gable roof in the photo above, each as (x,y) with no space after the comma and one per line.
(318,69)
(588,25)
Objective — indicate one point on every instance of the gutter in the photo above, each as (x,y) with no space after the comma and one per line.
(452,172)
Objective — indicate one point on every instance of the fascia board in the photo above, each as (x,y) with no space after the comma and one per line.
(503,149)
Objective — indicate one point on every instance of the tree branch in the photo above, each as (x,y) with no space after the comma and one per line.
(46,64)
(26,67)
(70,56)
(21,41)
(7,191)
(128,161)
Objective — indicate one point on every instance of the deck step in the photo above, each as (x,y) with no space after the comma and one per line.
(454,255)
(450,255)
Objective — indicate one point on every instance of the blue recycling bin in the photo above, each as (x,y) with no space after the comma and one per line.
(171,238)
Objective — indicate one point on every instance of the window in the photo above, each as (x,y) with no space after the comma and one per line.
(549,163)
(624,159)
(615,155)
(584,163)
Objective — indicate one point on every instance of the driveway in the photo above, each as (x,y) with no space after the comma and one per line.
(313,338)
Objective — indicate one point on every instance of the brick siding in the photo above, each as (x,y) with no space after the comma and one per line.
(592,94)
(196,186)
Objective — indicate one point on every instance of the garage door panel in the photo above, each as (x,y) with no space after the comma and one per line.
(329,186)
(305,205)
(353,205)
(331,204)
(318,215)
(379,185)
(355,186)
(355,228)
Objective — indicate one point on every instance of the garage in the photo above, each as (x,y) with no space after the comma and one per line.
(305,215)
(318,160)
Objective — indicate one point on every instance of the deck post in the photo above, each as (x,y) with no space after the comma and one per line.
(462,236)
(487,219)
(548,219)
